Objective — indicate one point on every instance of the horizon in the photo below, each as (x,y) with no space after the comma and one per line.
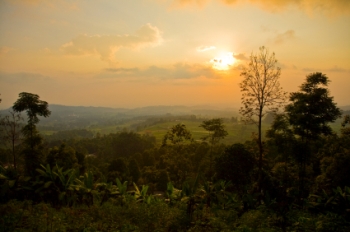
(133,54)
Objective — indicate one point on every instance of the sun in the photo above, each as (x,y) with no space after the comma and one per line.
(224,61)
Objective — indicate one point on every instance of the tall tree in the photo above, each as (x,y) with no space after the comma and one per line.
(310,111)
(34,107)
(261,91)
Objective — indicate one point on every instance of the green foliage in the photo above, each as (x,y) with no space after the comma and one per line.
(33,151)
(126,144)
(134,170)
(55,185)
(345,130)
(84,188)
(235,165)
(64,156)
(231,200)
(162,180)
(117,168)
(24,216)
(141,196)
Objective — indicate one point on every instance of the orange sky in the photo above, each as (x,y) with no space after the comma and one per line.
(165,52)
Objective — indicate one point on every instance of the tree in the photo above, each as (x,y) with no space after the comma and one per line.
(312,108)
(216,132)
(34,107)
(134,170)
(235,165)
(261,91)
(117,168)
(177,134)
(12,127)
(310,111)
(63,156)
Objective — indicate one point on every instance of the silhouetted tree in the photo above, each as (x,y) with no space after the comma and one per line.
(261,91)
(310,111)
(177,135)
(34,107)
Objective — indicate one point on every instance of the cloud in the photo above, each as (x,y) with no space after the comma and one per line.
(338,69)
(183,3)
(330,7)
(333,69)
(281,38)
(176,71)
(4,50)
(47,4)
(23,78)
(122,70)
(105,46)
(205,48)
(240,56)
(308,69)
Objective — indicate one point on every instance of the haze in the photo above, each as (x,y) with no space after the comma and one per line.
(134,53)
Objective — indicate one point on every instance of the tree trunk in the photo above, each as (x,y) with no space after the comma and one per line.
(260,152)
(13,153)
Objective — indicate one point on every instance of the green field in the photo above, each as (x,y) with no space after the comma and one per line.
(236,132)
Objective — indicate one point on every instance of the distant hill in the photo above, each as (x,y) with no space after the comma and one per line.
(345,108)
(77,117)
(141,111)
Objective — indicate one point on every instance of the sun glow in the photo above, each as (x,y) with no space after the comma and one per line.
(224,61)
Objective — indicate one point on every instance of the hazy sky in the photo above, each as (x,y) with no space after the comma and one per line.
(135,53)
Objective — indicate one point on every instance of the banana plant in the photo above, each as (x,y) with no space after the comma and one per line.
(66,179)
(55,185)
(225,199)
(107,190)
(85,188)
(141,196)
(188,195)
(7,183)
(338,201)
(172,193)
(122,189)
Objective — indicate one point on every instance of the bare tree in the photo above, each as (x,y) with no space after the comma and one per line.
(12,127)
(261,91)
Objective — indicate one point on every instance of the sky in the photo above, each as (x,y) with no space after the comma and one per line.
(135,53)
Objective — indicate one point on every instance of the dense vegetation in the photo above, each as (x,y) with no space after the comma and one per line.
(77,180)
